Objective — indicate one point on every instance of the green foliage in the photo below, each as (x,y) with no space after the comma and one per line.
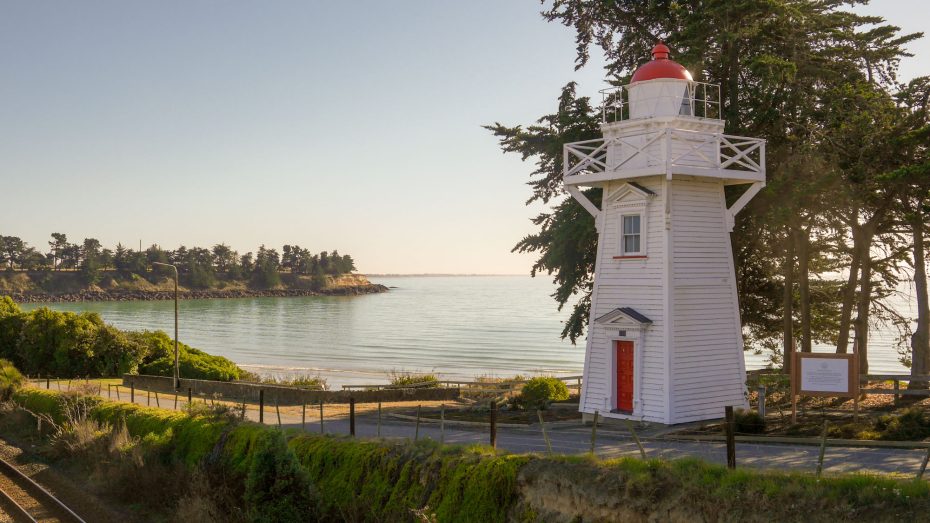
(911,425)
(408,379)
(329,478)
(11,327)
(277,488)
(539,392)
(193,363)
(749,422)
(67,345)
(10,380)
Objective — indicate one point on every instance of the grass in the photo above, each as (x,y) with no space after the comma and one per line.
(340,478)
(405,379)
(299,381)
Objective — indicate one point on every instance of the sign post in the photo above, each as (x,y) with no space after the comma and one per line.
(824,374)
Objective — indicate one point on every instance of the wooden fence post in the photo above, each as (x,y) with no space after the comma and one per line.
(493,423)
(277,410)
(190,397)
(352,416)
(594,432)
(303,416)
(321,416)
(923,464)
(175,400)
(731,437)
(642,450)
(416,430)
(157,403)
(261,405)
(823,449)
(542,426)
(379,419)
(117,393)
(132,392)
(442,423)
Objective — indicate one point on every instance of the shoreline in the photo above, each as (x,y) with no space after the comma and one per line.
(105,296)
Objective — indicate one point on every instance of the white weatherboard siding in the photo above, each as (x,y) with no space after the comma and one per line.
(675,297)
(707,373)
(636,283)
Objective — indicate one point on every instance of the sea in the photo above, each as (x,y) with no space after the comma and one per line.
(458,327)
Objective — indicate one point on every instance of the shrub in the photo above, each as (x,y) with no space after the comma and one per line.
(194,364)
(277,488)
(749,422)
(11,326)
(913,424)
(409,379)
(10,380)
(539,392)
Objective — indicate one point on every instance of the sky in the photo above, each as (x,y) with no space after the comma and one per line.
(354,126)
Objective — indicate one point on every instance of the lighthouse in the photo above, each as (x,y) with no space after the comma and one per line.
(664,337)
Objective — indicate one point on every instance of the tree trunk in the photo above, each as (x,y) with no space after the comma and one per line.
(803,248)
(864,303)
(849,296)
(788,304)
(920,340)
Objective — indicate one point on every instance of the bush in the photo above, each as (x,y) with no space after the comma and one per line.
(277,488)
(913,424)
(539,392)
(409,379)
(749,422)
(11,326)
(194,364)
(10,380)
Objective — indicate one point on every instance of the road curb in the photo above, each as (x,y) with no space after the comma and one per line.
(804,441)
(457,423)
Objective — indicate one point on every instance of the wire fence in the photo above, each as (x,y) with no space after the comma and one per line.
(416,420)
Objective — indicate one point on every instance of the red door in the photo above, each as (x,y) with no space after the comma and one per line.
(625,376)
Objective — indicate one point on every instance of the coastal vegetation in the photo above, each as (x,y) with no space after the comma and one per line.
(67,267)
(207,464)
(842,223)
(540,392)
(70,345)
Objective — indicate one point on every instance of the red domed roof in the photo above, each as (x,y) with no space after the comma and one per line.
(660,67)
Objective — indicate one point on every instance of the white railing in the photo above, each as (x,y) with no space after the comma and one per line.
(666,151)
(702,100)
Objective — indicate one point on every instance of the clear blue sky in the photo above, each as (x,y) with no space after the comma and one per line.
(347,125)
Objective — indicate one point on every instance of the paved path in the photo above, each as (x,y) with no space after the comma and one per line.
(576,439)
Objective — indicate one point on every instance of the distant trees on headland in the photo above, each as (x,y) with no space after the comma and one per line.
(198,267)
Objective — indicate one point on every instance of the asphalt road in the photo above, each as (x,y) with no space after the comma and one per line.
(574,438)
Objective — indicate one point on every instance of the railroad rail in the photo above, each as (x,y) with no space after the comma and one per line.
(44,506)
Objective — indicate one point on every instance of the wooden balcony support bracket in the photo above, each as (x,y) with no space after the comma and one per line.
(586,203)
(738,205)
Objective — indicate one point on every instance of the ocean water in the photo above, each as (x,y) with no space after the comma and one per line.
(457,326)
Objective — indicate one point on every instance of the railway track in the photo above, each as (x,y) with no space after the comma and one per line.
(25,500)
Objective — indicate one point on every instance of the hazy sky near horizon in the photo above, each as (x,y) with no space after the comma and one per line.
(340,125)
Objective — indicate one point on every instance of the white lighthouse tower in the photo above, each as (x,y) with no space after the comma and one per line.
(664,338)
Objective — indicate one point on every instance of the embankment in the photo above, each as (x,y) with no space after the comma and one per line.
(379,480)
(67,286)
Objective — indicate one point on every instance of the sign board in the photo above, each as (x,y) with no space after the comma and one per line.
(825,374)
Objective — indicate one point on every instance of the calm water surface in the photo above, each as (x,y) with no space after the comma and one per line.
(459,327)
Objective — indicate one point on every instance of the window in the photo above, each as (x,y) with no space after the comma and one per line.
(631,241)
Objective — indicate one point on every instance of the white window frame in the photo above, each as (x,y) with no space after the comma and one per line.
(629,200)
(624,234)
(634,208)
